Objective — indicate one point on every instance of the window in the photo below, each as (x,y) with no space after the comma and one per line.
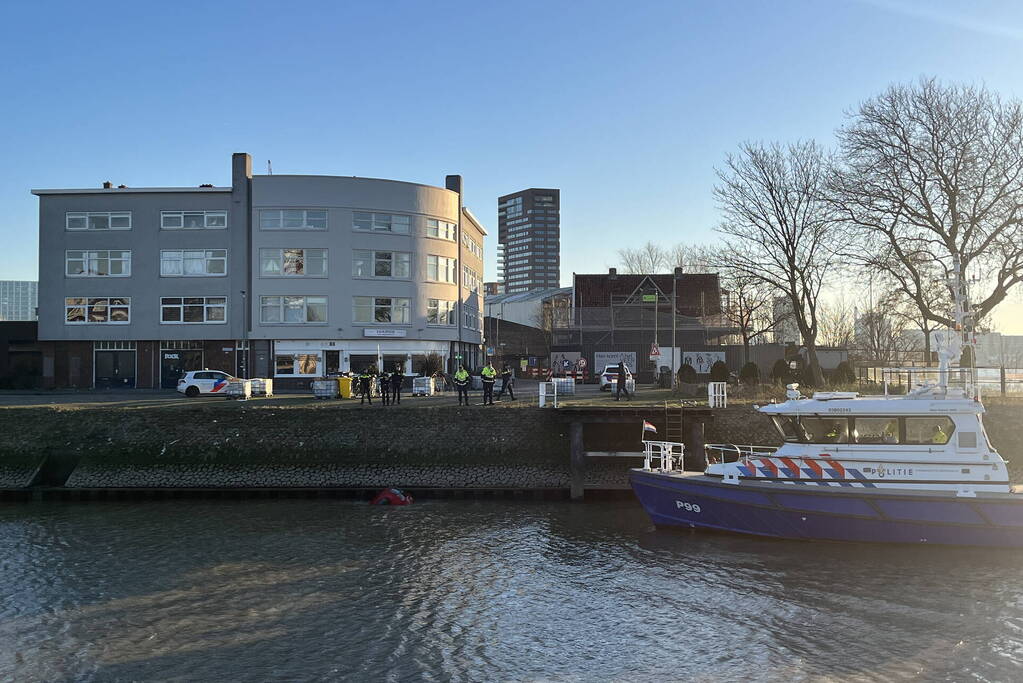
(441,269)
(293,219)
(471,319)
(471,279)
(193,262)
(193,220)
(875,430)
(380,310)
(473,246)
(394,264)
(293,262)
(102,263)
(84,311)
(98,220)
(441,229)
(296,364)
(930,430)
(382,222)
(293,310)
(440,312)
(825,429)
(193,309)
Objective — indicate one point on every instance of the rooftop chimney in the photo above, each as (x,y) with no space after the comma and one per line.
(678,272)
(107,185)
(612,272)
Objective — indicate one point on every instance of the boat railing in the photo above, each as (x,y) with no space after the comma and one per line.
(730,452)
(668,454)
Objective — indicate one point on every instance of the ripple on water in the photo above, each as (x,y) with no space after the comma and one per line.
(460,590)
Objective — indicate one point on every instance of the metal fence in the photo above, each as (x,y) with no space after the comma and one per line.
(990,380)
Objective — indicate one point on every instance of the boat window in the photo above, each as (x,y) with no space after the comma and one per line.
(787,426)
(825,429)
(931,430)
(876,430)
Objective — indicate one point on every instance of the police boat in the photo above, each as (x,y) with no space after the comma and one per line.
(914,468)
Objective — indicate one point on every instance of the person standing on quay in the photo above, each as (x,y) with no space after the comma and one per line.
(385,388)
(489,375)
(507,382)
(462,384)
(365,380)
(623,377)
(397,377)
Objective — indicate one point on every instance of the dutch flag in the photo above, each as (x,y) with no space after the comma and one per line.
(647,427)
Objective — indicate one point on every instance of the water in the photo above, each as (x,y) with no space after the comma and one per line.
(461,590)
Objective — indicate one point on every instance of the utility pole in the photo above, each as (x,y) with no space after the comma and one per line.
(674,307)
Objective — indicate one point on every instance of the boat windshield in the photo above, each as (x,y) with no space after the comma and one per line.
(862,429)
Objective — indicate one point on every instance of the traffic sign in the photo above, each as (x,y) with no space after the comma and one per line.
(654,351)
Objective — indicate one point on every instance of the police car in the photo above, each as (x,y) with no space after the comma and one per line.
(197,382)
(610,374)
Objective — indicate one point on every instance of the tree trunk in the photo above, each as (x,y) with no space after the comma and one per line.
(813,366)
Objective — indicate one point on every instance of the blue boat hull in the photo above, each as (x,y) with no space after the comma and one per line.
(830,514)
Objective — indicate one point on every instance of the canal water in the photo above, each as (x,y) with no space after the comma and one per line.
(479,591)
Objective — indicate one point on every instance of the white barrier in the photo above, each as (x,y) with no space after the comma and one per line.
(548,390)
(717,394)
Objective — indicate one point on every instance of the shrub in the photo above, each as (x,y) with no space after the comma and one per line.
(781,372)
(687,374)
(719,371)
(843,374)
(750,373)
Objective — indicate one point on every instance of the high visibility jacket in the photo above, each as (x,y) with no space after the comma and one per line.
(939,437)
(461,376)
(488,374)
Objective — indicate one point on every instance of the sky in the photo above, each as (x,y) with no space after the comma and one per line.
(628,108)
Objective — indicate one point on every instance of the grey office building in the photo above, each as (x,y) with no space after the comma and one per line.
(529,240)
(18,299)
(290,277)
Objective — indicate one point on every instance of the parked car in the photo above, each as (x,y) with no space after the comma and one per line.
(197,382)
(610,374)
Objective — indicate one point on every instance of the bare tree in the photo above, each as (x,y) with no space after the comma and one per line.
(779,230)
(838,322)
(931,175)
(694,258)
(750,308)
(650,258)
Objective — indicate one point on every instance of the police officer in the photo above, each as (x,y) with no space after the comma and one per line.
(462,384)
(365,379)
(397,377)
(507,381)
(385,388)
(489,375)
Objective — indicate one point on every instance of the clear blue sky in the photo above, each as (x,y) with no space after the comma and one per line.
(627,107)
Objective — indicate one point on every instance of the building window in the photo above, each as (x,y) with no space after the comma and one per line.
(296,364)
(471,319)
(441,229)
(102,263)
(293,310)
(471,279)
(382,222)
(440,312)
(380,310)
(395,264)
(98,220)
(441,269)
(87,311)
(293,219)
(193,309)
(293,262)
(193,220)
(193,262)
(473,246)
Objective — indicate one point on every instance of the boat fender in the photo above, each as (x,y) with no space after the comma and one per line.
(391,497)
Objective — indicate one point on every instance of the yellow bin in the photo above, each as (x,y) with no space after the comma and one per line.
(344,386)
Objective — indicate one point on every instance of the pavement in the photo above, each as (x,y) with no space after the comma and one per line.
(526,392)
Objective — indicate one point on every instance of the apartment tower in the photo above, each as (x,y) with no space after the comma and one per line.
(529,240)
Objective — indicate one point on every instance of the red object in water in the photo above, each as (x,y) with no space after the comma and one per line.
(391,497)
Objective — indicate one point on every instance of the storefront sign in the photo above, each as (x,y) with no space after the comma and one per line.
(383,332)
(602,359)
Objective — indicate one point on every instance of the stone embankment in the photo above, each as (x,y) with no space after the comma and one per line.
(273,447)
